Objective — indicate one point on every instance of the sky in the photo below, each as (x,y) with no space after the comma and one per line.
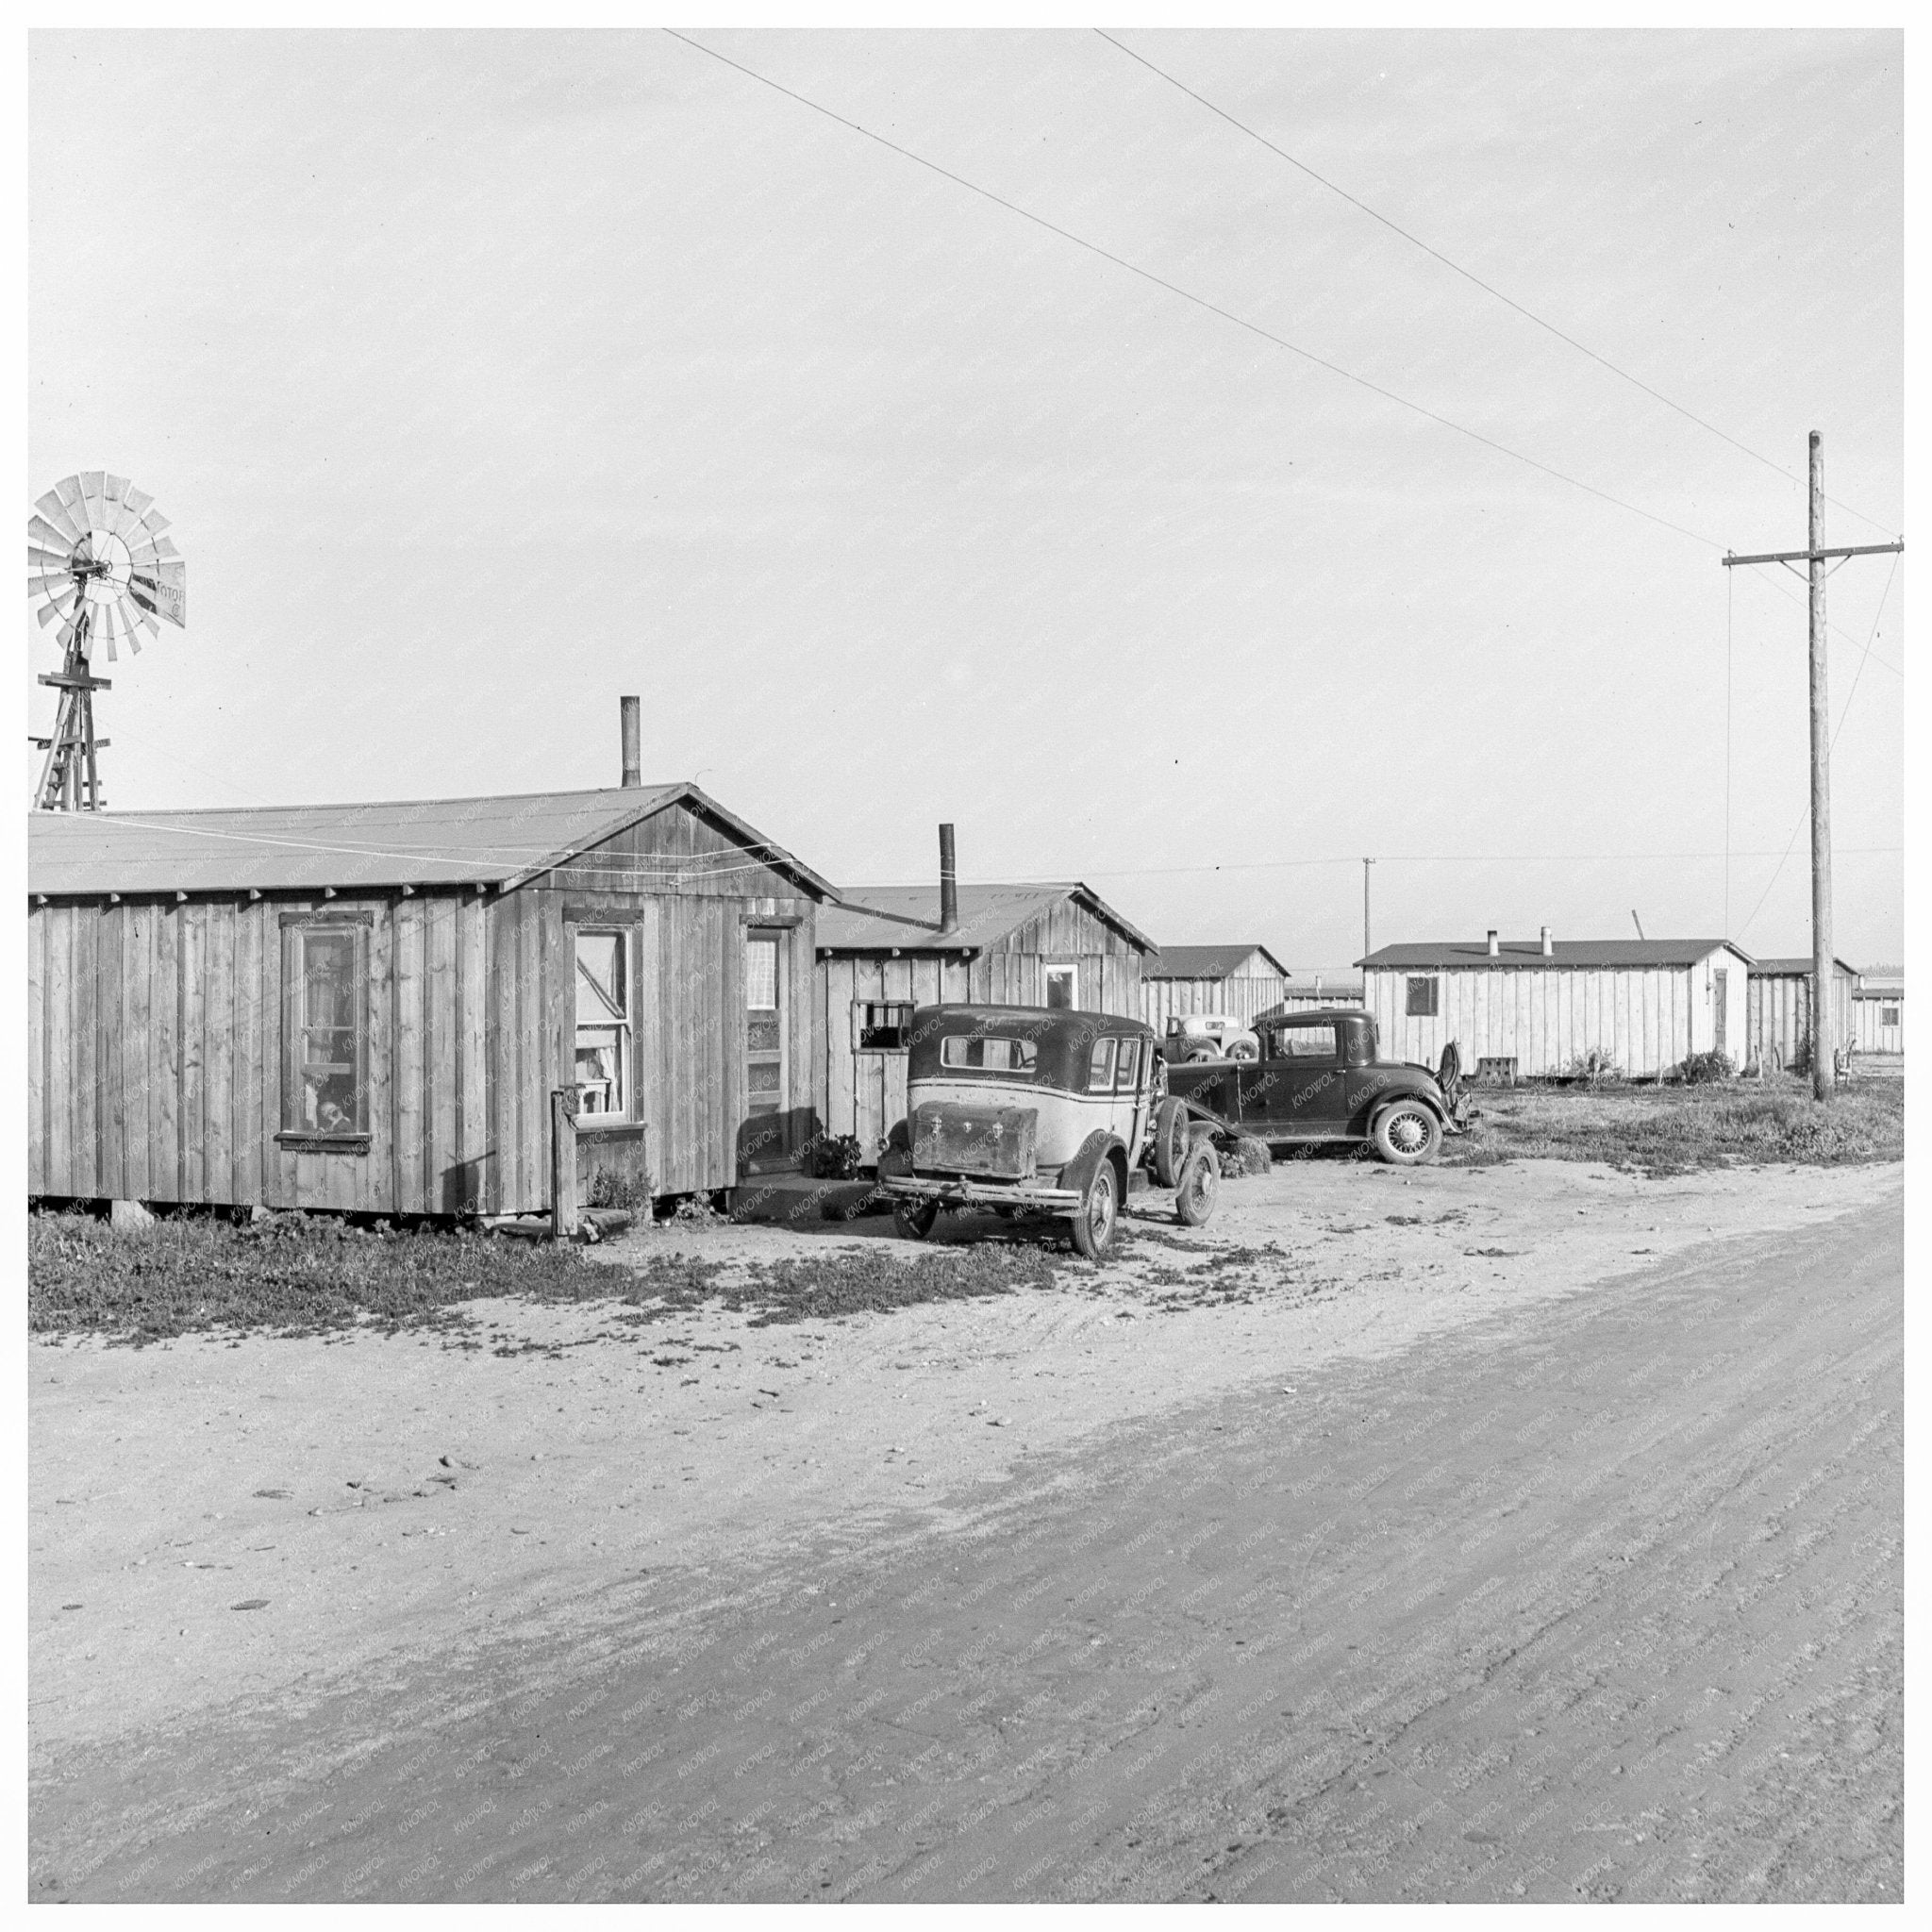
(488,376)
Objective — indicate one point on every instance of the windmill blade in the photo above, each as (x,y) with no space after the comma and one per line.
(114,488)
(137,501)
(102,636)
(45,531)
(162,589)
(155,522)
(56,513)
(94,483)
(60,608)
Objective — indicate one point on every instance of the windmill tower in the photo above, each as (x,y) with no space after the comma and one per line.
(100,568)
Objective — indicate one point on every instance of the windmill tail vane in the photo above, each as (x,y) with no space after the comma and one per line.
(100,571)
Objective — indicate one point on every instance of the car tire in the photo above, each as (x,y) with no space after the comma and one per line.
(1243,1050)
(1098,1214)
(1201,1055)
(1199,1188)
(1406,1133)
(912,1220)
(1170,1141)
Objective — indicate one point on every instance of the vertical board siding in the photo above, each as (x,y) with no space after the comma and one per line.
(1647,1019)
(155,1035)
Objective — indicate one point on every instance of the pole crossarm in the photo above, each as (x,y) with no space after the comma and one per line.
(1815,556)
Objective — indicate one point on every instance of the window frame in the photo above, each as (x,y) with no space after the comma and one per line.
(1888,1016)
(1127,1066)
(1101,1062)
(1054,968)
(1415,982)
(626,1027)
(1289,1029)
(862,1009)
(295,929)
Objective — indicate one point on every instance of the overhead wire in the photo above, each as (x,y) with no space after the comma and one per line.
(1470,275)
(1212,308)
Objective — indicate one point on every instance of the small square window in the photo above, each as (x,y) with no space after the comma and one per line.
(1127,1073)
(1062,986)
(881,1025)
(1888,1016)
(1422,996)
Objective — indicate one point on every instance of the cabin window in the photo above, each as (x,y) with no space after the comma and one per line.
(1888,1016)
(882,1026)
(602,1044)
(325,1089)
(1063,986)
(1100,1069)
(1424,996)
(978,1053)
(764,1027)
(1128,1075)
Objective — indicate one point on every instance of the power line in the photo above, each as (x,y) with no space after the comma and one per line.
(1469,275)
(1159,281)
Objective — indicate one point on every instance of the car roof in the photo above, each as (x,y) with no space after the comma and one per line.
(1039,1020)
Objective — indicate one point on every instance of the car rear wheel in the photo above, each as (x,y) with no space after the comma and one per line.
(912,1220)
(1242,1050)
(1200,1187)
(1098,1214)
(1201,1054)
(1170,1141)
(1407,1134)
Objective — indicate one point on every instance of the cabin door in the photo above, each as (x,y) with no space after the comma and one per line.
(1720,994)
(765,1140)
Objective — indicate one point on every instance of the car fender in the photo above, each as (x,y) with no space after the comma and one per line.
(1099,1145)
(1383,1102)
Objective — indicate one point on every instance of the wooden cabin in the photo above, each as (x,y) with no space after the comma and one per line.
(368,1008)
(886,949)
(1778,1026)
(1518,1008)
(1878,1011)
(1241,980)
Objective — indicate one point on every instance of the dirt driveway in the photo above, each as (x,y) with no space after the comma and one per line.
(1408,1568)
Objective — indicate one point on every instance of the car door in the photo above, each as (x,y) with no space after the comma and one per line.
(1296,1091)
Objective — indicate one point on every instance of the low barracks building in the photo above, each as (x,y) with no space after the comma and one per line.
(1535,1006)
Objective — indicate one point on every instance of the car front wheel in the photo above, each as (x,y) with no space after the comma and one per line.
(1407,1134)
(1200,1187)
(912,1220)
(1098,1213)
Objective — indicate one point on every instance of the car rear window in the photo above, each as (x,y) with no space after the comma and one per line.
(988,1054)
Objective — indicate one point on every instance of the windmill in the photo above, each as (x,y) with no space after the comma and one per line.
(99,567)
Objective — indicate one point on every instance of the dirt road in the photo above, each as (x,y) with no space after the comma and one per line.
(1600,1597)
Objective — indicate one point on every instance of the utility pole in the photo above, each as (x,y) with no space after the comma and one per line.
(1814,555)
(1367,945)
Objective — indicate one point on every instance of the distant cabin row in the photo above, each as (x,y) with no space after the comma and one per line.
(369,1007)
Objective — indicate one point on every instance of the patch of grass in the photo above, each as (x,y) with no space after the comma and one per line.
(303,1277)
(1663,1130)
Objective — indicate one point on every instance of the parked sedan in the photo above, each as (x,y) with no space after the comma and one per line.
(1192,1037)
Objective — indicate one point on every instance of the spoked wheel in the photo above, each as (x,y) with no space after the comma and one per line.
(1098,1214)
(1407,1134)
(912,1220)
(1200,1187)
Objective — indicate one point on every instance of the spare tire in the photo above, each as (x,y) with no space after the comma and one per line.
(1170,1141)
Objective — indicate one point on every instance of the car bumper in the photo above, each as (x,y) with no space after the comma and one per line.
(959,1192)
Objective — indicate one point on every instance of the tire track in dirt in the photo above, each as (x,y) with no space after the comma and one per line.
(1602,1601)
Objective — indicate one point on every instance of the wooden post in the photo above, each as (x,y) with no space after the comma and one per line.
(1823,1084)
(1367,947)
(563,1163)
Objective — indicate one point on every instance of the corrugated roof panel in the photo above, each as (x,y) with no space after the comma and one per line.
(1204,963)
(877,918)
(489,840)
(1474,955)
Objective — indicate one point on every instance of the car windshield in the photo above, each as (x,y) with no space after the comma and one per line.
(988,1054)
